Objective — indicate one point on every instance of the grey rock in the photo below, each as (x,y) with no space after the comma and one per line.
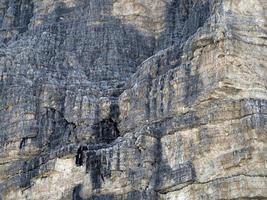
(133,99)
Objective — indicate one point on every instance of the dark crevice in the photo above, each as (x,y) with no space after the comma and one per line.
(76,193)
(22,143)
(80,155)
(94,167)
(106,131)
(97,163)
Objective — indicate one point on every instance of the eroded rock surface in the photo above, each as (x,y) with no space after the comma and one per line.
(133,99)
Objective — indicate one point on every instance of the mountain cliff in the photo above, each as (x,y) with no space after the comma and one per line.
(133,99)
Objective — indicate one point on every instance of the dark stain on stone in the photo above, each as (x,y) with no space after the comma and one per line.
(22,143)
(79,159)
(183,18)
(193,85)
(19,13)
(184,173)
(114,112)
(106,131)
(94,166)
(76,193)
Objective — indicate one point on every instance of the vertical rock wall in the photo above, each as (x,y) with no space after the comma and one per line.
(133,99)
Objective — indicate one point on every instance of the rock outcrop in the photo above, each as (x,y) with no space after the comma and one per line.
(133,99)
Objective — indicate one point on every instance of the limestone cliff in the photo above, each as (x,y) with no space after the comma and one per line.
(133,99)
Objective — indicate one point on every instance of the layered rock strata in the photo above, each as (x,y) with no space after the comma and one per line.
(133,99)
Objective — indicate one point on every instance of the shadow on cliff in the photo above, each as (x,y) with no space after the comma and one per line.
(183,18)
(107,50)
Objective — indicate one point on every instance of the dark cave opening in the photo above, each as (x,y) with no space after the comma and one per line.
(79,160)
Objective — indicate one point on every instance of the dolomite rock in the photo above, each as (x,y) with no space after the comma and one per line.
(133,99)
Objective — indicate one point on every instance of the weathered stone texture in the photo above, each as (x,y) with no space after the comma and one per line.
(133,99)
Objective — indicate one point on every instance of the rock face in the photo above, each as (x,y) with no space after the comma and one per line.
(133,99)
